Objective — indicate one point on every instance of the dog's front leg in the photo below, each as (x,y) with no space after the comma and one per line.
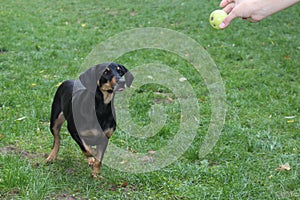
(100,149)
(96,168)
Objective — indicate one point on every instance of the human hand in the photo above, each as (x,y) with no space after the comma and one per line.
(252,10)
(246,9)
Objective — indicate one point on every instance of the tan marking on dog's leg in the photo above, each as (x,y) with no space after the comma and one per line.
(96,158)
(56,129)
(89,153)
(90,158)
(109,132)
(96,168)
(91,161)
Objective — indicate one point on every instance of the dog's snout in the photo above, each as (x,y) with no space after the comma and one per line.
(118,77)
(120,85)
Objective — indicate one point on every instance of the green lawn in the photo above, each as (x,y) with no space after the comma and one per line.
(43,43)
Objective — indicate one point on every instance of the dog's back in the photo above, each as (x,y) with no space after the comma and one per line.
(61,100)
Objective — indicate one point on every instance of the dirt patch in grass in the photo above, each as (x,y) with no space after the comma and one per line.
(11,149)
(65,196)
(125,186)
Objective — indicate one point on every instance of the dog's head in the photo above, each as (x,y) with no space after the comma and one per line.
(111,79)
(106,77)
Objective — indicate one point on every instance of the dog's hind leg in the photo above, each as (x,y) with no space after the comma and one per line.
(55,129)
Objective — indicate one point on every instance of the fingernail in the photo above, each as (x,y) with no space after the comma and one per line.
(222,25)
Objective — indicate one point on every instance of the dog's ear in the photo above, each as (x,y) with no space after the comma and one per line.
(90,77)
(128,76)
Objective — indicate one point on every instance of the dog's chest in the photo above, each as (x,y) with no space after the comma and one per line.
(105,116)
(107,97)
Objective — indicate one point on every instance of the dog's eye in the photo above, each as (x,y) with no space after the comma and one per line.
(106,70)
(120,71)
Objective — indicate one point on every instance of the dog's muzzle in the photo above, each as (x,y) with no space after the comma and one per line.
(120,86)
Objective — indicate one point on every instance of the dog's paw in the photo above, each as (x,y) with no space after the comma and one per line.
(97,176)
(91,161)
(50,158)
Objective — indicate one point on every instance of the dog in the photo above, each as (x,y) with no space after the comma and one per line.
(87,106)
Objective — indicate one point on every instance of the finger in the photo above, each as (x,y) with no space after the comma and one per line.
(252,20)
(224,3)
(227,20)
(229,7)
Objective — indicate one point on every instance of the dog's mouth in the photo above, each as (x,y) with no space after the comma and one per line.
(120,86)
(116,88)
(111,88)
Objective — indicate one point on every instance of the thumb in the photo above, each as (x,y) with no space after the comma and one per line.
(227,20)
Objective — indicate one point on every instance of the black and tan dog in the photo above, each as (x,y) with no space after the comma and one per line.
(87,106)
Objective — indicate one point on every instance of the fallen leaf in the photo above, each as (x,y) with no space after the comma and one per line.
(130,150)
(284,167)
(271,176)
(124,184)
(151,152)
(123,162)
(290,117)
(182,79)
(290,121)
(21,118)
(202,99)
(147,159)
(133,13)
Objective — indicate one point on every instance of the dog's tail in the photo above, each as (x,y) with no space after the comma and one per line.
(56,106)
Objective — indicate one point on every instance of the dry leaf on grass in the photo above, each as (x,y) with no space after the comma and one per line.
(285,167)
(151,152)
(182,79)
(146,159)
(124,184)
(21,118)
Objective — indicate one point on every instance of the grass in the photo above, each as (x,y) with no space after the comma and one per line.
(43,43)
